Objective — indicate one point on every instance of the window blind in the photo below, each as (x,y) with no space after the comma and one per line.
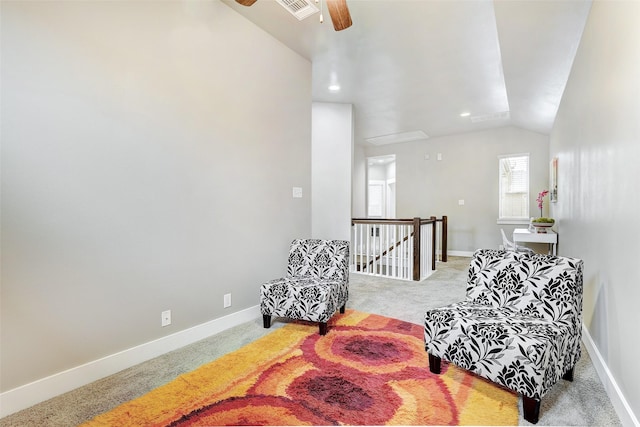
(514,187)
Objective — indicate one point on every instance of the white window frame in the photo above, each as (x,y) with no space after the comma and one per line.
(511,219)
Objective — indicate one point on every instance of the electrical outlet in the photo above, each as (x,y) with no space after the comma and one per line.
(227,300)
(166,318)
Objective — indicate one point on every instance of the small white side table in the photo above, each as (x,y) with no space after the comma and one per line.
(521,235)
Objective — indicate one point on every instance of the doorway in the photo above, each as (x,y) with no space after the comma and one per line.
(381,186)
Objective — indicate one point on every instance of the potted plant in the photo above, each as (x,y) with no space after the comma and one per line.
(542,223)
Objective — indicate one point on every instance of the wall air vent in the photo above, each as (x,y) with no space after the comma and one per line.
(299,8)
(495,116)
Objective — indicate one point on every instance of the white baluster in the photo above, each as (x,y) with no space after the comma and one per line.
(368,248)
(361,248)
(354,234)
(386,247)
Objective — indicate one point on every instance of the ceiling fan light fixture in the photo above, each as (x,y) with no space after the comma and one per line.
(302,9)
(340,15)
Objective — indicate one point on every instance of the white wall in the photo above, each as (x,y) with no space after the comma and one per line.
(148,155)
(377,172)
(359,182)
(332,154)
(468,171)
(596,138)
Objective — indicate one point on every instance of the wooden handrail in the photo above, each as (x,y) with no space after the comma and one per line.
(399,221)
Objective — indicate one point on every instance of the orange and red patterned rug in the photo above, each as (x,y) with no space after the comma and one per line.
(368,370)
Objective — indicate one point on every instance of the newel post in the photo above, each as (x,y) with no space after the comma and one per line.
(416,248)
(444,238)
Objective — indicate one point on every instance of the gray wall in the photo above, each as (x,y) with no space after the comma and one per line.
(359,182)
(468,171)
(331,159)
(148,155)
(596,138)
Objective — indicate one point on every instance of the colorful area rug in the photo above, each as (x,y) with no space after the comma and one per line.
(368,370)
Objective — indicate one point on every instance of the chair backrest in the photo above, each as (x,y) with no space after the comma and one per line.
(320,259)
(542,286)
(506,243)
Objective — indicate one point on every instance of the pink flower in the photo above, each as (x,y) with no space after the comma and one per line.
(539,199)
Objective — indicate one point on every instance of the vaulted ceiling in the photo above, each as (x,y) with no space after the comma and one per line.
(417,65)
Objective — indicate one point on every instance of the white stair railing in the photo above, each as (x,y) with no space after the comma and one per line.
(427,250)
(388,247)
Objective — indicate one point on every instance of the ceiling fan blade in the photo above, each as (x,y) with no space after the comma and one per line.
(246,2)
(339,12)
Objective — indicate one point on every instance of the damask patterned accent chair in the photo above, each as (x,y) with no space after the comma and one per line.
(520,325)
(315,286)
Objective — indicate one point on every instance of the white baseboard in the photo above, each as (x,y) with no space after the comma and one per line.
(38,391)
(467,254)
(620,404)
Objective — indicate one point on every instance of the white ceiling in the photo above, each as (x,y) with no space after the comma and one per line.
(416,65)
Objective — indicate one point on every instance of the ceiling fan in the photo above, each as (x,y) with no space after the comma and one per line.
(338,10)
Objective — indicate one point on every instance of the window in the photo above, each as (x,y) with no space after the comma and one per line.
(514,187)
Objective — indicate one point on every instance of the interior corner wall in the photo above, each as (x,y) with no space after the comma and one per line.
(596,138)
(148,155)
(332,154)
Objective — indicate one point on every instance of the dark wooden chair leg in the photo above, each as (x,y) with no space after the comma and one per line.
(266,321)
(343,308)
(531,409)
(568,375)
(323,328)
(434,364)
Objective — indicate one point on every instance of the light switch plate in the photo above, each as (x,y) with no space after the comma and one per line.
(227,300)
(166,318)
(297,192)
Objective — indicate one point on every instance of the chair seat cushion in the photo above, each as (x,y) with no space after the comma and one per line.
(519,351)
(307,298)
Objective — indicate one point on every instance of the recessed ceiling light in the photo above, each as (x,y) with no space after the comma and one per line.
(334,88)
(465,114)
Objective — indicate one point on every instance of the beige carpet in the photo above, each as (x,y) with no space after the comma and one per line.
(583,402)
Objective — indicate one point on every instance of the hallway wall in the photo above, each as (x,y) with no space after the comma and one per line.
(146,166)
(596,138)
